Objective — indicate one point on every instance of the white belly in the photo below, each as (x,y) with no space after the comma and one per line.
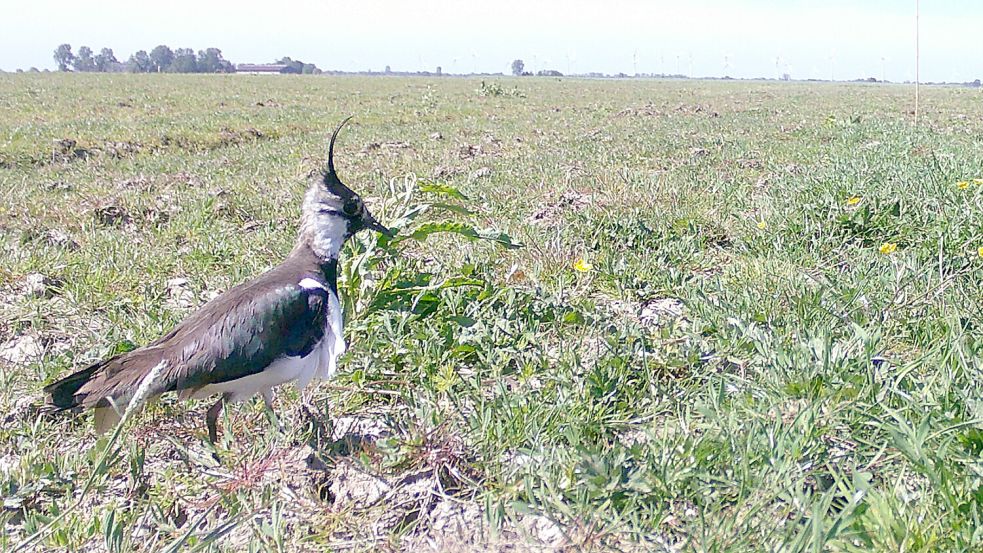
(320,364)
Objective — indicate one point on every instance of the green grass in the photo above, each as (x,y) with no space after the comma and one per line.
(740,369)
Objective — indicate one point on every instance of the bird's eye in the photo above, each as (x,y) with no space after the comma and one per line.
(350,207)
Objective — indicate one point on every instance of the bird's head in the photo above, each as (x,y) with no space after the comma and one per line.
(332,212)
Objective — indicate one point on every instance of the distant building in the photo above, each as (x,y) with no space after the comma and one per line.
(261,69)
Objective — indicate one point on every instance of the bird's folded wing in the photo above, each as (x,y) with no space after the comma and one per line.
(242,335)
(235,335)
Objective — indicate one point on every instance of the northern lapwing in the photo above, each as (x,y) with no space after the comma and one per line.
(283,326)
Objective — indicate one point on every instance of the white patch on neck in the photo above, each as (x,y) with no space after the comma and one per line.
(311,284)
(328,233)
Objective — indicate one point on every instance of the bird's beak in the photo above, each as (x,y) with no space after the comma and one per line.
(371,224)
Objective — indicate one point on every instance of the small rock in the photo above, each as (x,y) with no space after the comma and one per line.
(179,294)
(60,238)
(208,295)
(36,285)
(633,437)
(444,171)
(544,530)
(345,427)
(455,522)
(58,186)
(353,487)
(22,350)
(660,311)
(436,136)
(482,173)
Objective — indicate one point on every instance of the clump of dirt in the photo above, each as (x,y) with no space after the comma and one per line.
(444,171)
(110,214)
(550,213)
(67,149)
(60,238)
(750,164)
(467,151)
(180,297)
(392,148)
(229,137)
(22,350)
(123,149)
(139,182)
(647,110)
(697,109)
(662,311)
(58,186)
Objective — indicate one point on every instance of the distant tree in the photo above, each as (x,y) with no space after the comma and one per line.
(105,60)
(440,70)
(210,60)
(297,66)
(555,73)
(518,66)
(64,57)
(139,63)
(389,69)
(33,70)
(293,66)
(185,61)
(161,59)
(83,61)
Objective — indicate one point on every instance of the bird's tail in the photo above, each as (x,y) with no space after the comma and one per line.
(64,394)
(106,386)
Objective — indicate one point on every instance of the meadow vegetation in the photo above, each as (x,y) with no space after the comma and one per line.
(633,315)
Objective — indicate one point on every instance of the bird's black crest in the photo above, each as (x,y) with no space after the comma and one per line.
(331,177)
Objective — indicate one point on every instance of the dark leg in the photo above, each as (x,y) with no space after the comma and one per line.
(211,418)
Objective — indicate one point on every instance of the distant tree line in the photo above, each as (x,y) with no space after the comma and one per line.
(519,70)
(160,60)
(298,67)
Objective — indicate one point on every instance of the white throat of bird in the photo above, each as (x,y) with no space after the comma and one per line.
(322,227)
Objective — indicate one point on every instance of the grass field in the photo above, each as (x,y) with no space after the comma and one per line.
(650,315)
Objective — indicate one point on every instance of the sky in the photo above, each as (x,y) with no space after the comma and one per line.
(821,39)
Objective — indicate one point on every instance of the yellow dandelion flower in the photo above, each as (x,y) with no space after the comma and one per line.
(762,225)
(962,185)
(887,248)
(979,251)
(853,200)
(582,266)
